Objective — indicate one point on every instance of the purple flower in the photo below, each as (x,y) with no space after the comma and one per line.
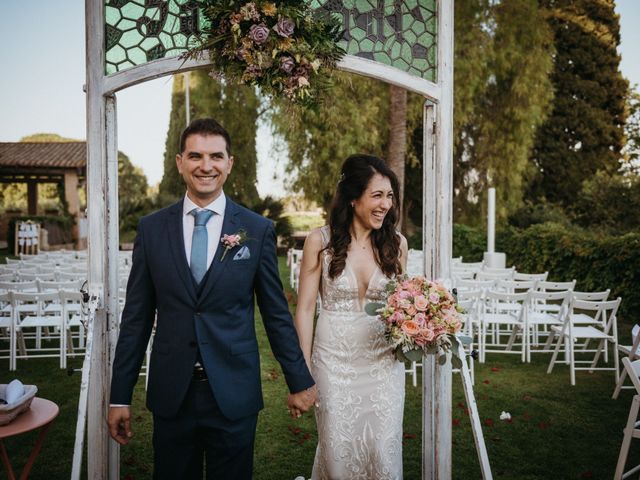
(284,27)
(287,64)
(259,33)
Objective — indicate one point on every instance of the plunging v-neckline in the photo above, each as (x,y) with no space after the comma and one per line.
(355,279)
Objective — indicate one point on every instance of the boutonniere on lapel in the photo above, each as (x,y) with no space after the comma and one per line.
(232,241)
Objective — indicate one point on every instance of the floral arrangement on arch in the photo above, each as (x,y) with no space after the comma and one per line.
(420,317)
(281,46)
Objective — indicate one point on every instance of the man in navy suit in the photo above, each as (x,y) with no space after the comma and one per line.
(197,266)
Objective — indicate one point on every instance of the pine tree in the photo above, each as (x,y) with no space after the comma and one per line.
(584,133)
(236,108)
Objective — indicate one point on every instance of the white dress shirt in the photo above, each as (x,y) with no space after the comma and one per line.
(214,225)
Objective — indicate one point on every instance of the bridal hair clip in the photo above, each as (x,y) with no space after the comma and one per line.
(342,177)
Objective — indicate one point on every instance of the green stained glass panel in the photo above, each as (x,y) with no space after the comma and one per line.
(399,33)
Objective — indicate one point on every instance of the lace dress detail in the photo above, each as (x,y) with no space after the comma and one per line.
(360,383)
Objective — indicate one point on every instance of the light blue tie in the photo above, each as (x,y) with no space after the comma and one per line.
(199,243)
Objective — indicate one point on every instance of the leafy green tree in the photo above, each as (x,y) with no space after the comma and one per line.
(584,133)
(134,201)
(631,150)
(236,108)
(610,203)
(502,92)
(318,141)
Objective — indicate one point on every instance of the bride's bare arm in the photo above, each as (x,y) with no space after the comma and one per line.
(308,285)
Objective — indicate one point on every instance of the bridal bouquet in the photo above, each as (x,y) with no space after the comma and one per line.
(420,317)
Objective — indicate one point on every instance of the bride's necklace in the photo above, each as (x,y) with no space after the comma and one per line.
(364,246)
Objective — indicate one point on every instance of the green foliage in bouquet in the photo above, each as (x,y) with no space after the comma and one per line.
(282,46)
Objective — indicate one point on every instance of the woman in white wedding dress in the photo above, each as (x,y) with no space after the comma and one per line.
(360,383)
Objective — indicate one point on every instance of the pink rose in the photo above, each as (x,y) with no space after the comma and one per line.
(421,303)
(392,301)
(259,33)
(411,328)
(420,318)
(427,335)
(434,297)
(411,309)
(397,317)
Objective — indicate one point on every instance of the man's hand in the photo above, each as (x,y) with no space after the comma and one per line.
(119,422)
(302,401)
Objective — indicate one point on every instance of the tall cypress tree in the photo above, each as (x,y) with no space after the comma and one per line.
(584,133)
(236,108)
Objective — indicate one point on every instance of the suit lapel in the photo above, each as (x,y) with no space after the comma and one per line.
(229,226)
(176,239)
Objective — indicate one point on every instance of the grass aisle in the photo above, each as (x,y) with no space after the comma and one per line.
(556,432)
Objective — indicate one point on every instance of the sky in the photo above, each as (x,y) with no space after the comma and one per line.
(43,59)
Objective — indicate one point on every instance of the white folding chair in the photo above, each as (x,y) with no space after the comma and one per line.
(632,430)
(65,276)
(531,277)
(602,328)
(8,277)
(632,352)
(32,277)
(514,286)
(34,314)
(546,286)
(578,317)
(509,270)
(294,256)
(471,302)
(7,327)
(464,284)
(18,286)
(73,323)
(504,315)
(503,275)
(545,309)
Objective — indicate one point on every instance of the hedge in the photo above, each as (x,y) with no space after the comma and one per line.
(596,261)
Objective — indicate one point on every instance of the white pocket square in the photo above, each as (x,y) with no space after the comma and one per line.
(242,254)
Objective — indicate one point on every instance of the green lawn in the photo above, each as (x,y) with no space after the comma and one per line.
(557,431)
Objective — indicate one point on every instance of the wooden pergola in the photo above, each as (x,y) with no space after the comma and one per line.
(33,163)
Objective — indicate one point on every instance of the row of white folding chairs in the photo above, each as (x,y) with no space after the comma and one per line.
(28,318)
(575,317)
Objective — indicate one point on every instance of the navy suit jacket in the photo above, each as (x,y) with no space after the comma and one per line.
(220,321)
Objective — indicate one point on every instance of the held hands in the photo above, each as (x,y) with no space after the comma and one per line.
(119,422)
(300,402)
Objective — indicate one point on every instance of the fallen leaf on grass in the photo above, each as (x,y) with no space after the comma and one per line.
(495,369)
(526,398)
(488,422)
(486,381)
(409,436)
(456,422)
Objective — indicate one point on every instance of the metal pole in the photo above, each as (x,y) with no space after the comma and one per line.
(187,103)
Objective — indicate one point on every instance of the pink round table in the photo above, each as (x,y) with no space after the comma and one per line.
(40,415)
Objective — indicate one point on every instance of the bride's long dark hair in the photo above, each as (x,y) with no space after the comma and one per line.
(357,171)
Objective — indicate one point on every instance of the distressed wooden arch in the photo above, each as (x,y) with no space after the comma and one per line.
(102,184)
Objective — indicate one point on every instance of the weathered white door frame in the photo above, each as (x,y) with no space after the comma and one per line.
(102,192)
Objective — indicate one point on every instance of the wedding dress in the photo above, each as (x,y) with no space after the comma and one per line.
(360,383)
